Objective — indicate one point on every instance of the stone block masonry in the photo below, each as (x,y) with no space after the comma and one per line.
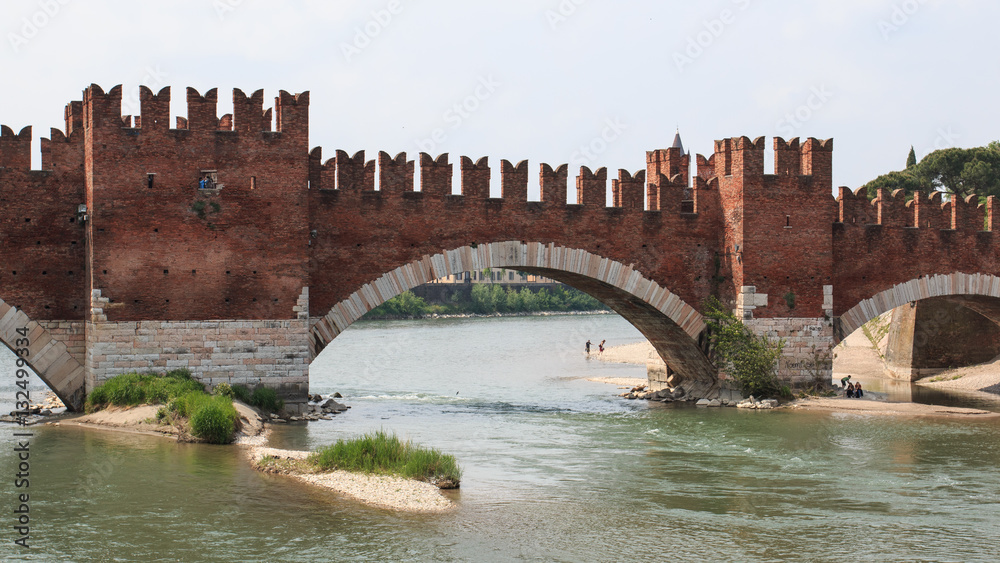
(807,358)
(272,353)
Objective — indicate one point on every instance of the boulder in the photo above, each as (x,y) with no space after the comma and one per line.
(715,403)
(702,403)
(678,392)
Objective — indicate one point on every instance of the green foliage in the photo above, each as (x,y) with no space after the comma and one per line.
(749,358)
(790,300)
(211,417)
(911,159)
(241,393)
(405,304)
(266,399)
(131,389)
(223,389)
(384,453)
(214,419)
(892,181)
(487,299)
(955,171)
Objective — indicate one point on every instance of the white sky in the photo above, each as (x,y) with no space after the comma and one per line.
(876,75)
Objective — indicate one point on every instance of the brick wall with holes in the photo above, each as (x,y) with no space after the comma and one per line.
(163,247)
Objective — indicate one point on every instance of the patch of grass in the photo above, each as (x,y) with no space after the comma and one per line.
(241,393)
(214,419)
(131,389)
(266,399)
(211,417)
(384,453)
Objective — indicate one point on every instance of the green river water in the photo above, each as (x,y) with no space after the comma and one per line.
(556,468)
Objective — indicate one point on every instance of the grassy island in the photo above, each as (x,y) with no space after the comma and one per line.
(380,453)
(186,404)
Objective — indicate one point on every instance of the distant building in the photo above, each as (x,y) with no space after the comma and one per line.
(495,276)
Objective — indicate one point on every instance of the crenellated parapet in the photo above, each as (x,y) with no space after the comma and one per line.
(15,149)
(155,109)
(435,175)
(627,189)
(102,111)
(395,175)
(592,187)
(476,178)
(553,183)
(931,212)
(854,207)
(514,181)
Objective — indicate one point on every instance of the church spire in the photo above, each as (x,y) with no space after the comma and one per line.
(677,141)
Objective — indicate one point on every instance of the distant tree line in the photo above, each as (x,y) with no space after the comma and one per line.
(487,299)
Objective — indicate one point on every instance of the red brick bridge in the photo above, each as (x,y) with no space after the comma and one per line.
(113,258)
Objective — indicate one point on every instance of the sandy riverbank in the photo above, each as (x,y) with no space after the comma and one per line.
(857,356)
(637,353)
(870,406)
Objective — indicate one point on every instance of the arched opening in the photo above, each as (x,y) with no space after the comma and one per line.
(670,324)
(940,285)
(49,358)
(932,323)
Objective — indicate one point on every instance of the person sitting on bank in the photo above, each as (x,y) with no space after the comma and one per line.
(850,391)
(858,393)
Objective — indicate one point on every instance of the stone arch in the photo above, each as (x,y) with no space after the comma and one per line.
(671,325)
(47,356)
(972,288)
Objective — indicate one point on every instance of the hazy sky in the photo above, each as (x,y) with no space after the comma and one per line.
(591,82)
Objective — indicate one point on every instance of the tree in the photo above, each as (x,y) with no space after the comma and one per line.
(749,358)
(955,171)
(911,159)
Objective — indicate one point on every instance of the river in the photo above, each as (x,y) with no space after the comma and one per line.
(556,468)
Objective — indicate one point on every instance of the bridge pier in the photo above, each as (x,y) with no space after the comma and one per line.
(272,353)
(932,335)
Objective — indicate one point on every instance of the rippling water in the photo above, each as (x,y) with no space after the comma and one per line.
(556,468)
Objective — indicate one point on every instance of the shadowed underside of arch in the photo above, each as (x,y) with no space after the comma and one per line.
(671,325)
(45,355)
(940,285)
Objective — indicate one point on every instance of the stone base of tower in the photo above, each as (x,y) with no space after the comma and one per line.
(807,357)
(270,353)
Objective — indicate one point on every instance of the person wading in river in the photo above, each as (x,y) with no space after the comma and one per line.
(587,347)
